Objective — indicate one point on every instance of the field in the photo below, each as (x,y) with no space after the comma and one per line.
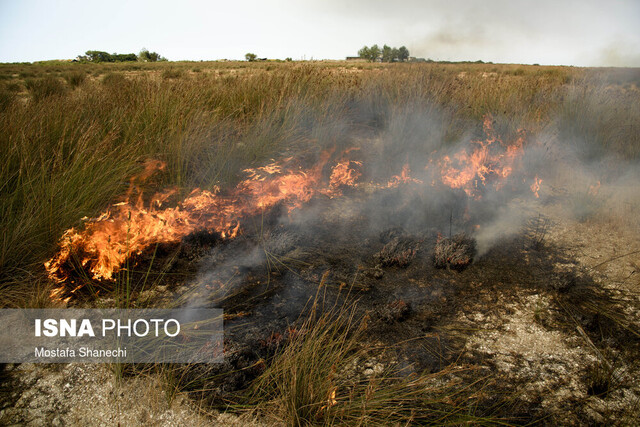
(556,316)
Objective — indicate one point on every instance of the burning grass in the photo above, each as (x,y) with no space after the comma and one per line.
(100,249)
(207,127)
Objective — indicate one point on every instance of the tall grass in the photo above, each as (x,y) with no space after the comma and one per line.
(45,87)
(75,78)
(317,379)
(67,154)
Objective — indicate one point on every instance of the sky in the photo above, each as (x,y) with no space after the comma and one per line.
(550,32)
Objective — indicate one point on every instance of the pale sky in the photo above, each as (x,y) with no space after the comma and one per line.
(569,32)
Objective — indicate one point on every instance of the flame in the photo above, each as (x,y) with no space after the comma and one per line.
(594,189)
(535,187)
(470,169)
(104,244)
(403,178)
(344,174)
(129,227)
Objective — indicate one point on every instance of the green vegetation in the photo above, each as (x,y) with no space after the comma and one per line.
(46,87)
(371,54)
(99,56)
(386,54)
(75,78)
(146,56)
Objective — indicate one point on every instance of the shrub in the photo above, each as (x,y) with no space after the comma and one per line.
(46,87)
(13,86)
(6,98)
(171,74)
(114,79)
(75,78)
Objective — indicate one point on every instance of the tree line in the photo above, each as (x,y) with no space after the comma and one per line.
(100,56)
(386,54)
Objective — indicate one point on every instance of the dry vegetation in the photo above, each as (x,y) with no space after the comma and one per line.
(72,134)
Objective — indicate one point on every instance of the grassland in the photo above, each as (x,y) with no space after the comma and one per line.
(72,134)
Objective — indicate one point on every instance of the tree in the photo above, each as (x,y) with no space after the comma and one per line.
(403,54)
(370,53)
(98,56)
(364,53)
(250,57)
(387,53)
(124,57)
(374,53)
(146,56)
(395,54)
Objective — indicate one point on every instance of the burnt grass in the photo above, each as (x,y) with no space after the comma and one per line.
(266,277)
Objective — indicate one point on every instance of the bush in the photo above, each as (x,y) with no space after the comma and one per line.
(46,87)
(13,87)
(171,74)
(6,98)
(114,79)
(75,78)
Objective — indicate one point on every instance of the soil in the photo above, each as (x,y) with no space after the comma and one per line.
(91,394)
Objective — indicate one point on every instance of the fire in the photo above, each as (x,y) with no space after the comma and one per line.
(403,178)
(104,244)
(486,161)
(129,227)
(344,174)
(535,187)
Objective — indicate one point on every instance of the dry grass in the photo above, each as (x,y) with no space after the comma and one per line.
(67,153)
(318,378)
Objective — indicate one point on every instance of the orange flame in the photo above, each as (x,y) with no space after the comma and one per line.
(535,187)
(127,228)
(403,178)
(343,174)
(469,168)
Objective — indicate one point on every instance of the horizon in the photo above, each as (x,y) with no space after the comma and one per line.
(584,34)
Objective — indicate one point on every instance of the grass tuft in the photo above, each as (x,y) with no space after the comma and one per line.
(75,78)
(316,379)
(46,87)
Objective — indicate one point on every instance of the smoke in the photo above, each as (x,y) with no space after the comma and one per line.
(620,53)
(579,177)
